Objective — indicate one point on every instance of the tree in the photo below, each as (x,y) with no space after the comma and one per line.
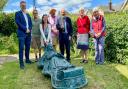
(2,4)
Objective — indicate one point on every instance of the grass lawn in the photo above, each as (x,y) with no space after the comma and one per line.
(107,76)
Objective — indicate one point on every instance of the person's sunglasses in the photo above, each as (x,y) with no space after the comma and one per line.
(35,13)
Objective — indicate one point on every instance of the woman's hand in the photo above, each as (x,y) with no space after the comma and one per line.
(98,35)
(77,35)
(92,35)
(45,43)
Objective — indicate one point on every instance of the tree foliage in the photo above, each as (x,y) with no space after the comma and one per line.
(2,4)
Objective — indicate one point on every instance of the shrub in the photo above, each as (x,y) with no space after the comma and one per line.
(9,44)
(7,24)
(116,49)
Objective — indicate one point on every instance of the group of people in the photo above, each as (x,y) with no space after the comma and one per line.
(52,29)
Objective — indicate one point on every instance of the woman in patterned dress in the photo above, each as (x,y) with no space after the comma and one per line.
(83,28)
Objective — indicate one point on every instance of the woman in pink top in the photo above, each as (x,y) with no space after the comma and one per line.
(52,21)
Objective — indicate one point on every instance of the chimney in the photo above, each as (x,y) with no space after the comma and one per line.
(110,6)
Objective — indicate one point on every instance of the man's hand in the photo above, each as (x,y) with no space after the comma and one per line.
(55,31)
(70,37)
(62,26)
(27,31)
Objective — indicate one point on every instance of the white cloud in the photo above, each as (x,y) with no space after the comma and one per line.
(42,1)
(67,4)
(30,9)
(15,4)
(59,1)
(45,5)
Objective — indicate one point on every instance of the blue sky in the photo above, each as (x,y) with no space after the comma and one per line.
(105,2)
(70,5)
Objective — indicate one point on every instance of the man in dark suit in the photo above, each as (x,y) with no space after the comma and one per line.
(64,25)
(24,23)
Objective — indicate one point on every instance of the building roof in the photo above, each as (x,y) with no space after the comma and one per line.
(124,4)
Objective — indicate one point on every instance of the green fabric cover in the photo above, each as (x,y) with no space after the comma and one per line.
(63,74)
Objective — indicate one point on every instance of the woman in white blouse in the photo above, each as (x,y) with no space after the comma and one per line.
(45,29)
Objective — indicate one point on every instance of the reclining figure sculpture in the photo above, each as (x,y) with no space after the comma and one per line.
(63,74)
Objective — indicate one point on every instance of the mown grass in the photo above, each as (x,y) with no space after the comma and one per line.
(107,76)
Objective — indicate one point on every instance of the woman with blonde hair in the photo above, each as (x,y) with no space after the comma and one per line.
(83,28)
(98,32)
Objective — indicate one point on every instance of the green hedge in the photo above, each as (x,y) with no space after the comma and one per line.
(7,24)
(9,44)
(117,38)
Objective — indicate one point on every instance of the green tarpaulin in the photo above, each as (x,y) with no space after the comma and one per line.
(63,74)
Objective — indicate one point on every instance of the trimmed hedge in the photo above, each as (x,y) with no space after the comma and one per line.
(116,49)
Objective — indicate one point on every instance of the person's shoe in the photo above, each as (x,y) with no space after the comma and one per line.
(69,60)
(97,63)
(22,66)
(82,61)
(29,62)
(39,56)
(85,61)
(36,60)
(101,63)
